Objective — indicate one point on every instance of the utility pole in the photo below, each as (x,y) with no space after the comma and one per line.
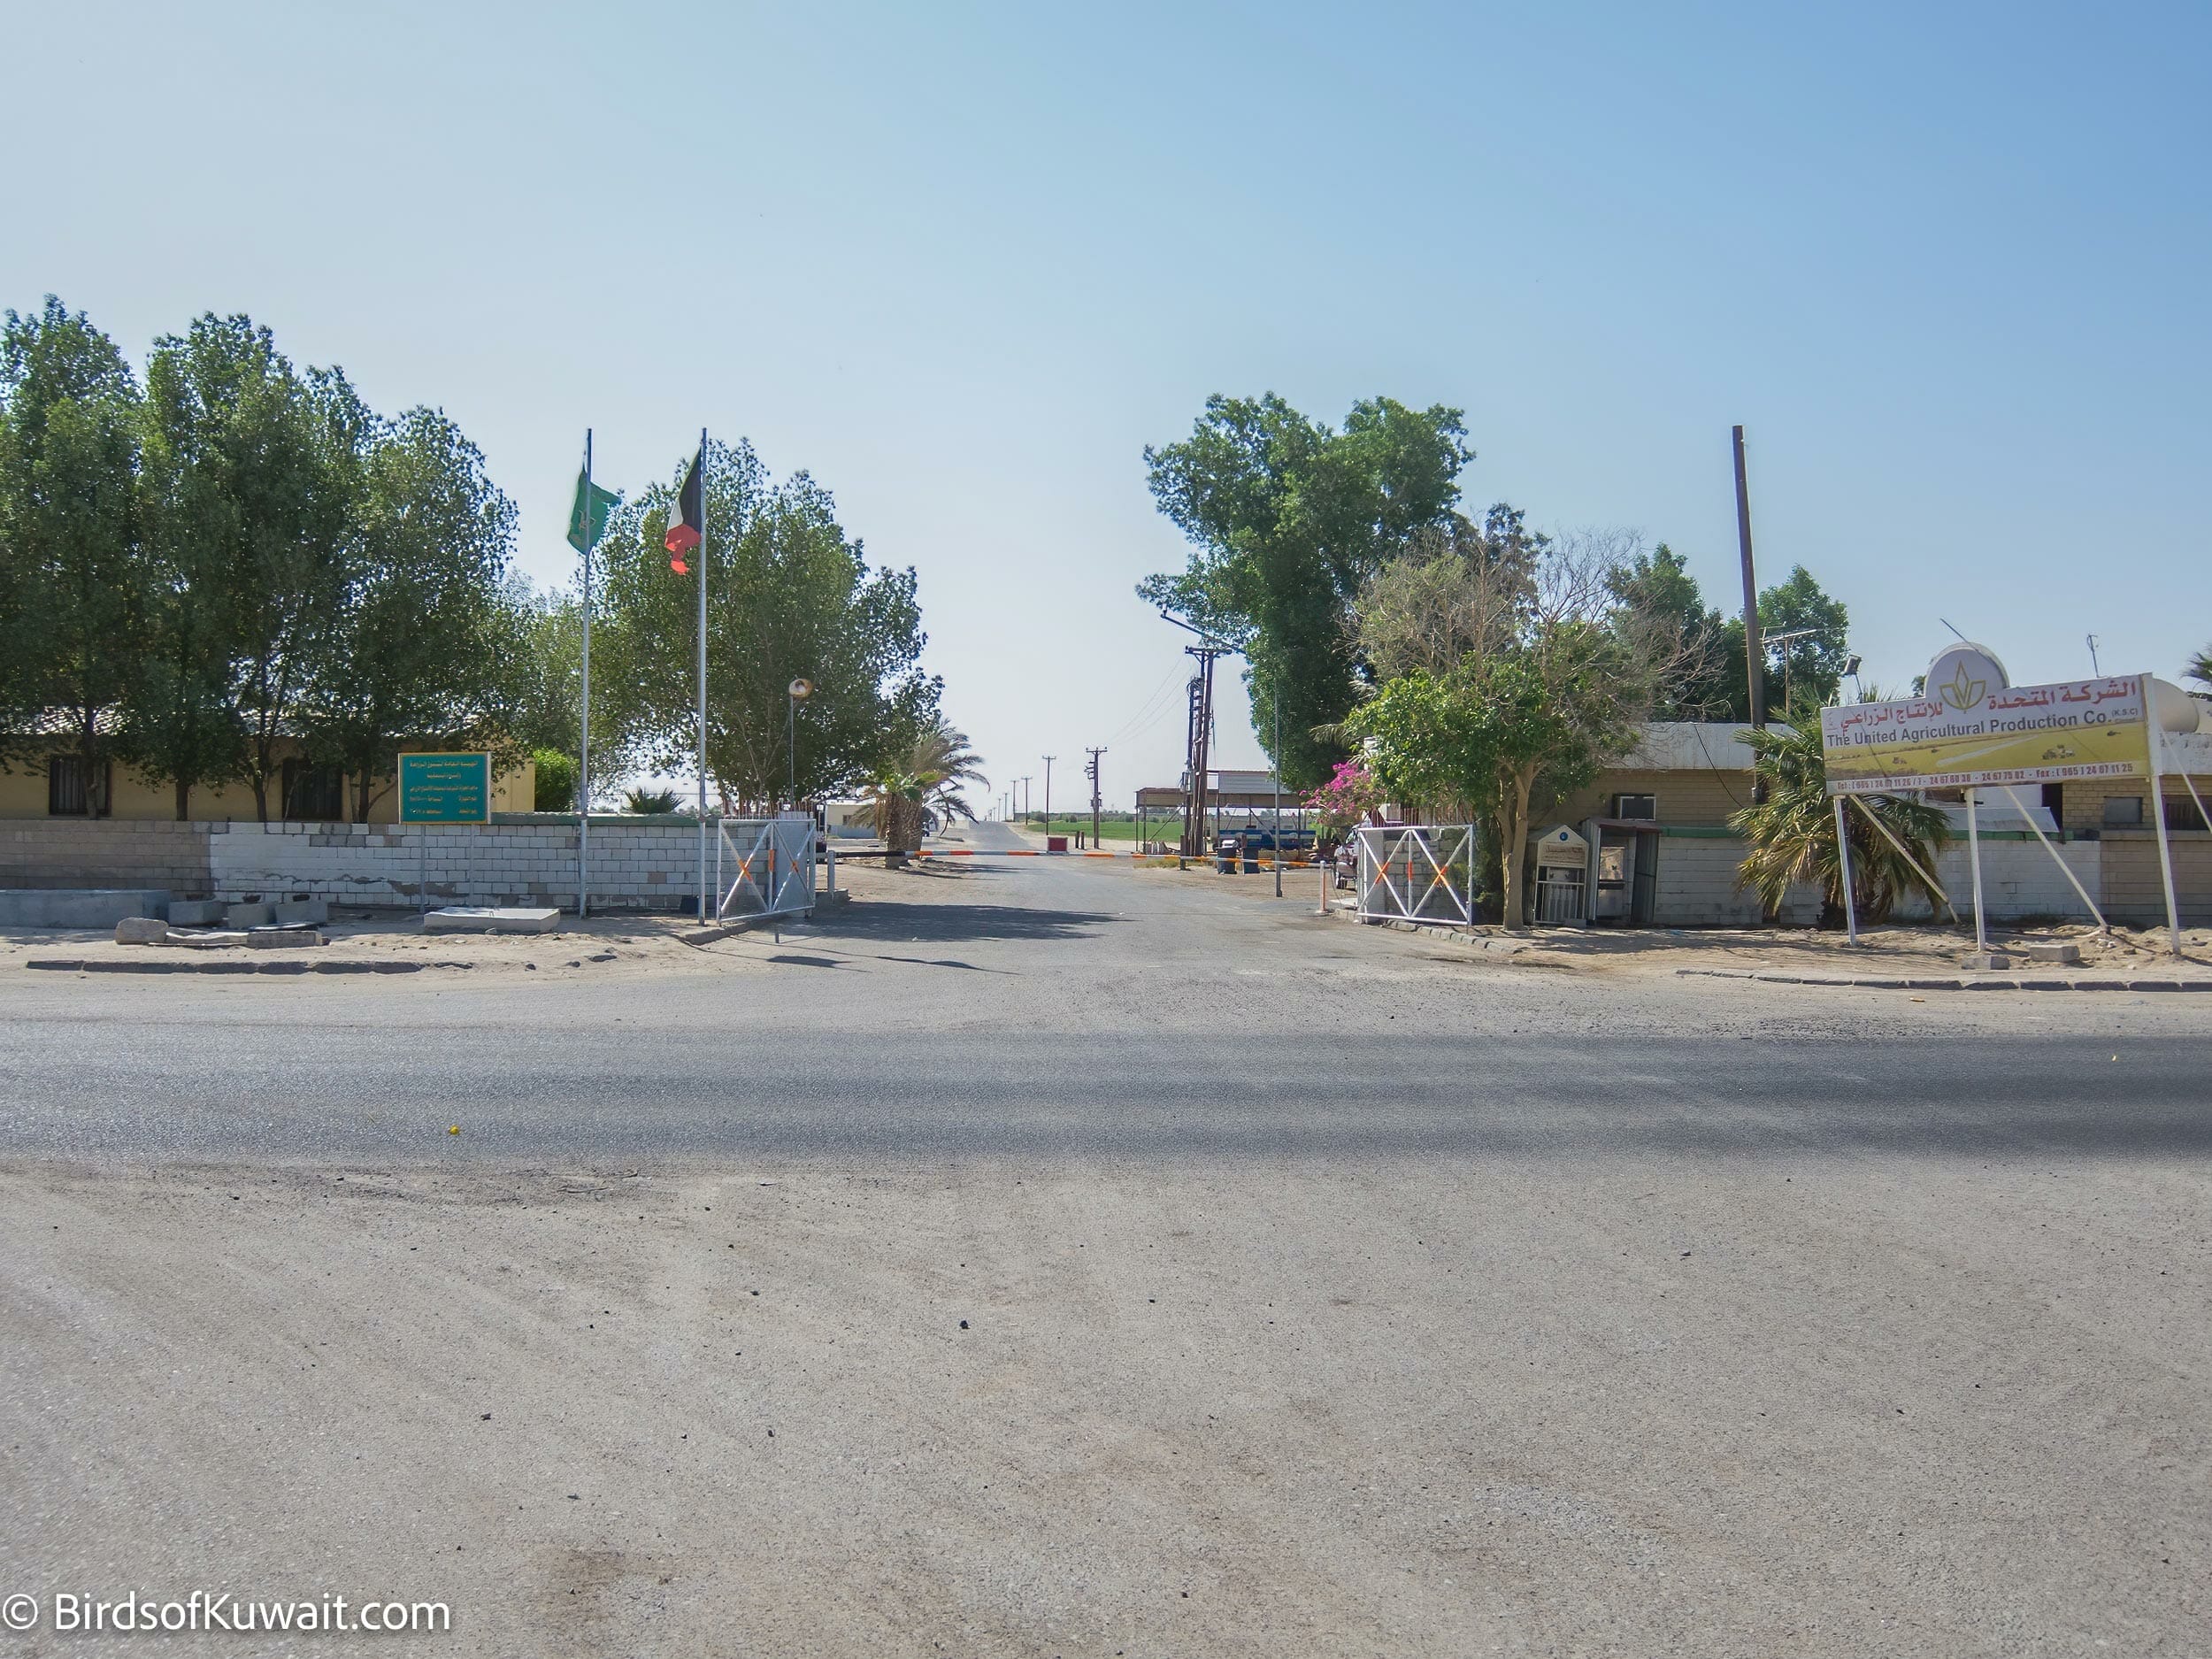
(1096,804)
(1201,725)
(1024,781)
(1200,756)
(1755,655)
(1048,760)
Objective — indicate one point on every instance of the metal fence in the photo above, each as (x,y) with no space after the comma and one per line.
(1417,873)
(764,867)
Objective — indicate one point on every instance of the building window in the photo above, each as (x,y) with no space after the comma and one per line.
(316,794)
(1642,808)
(2182,814)
(2123,811)
(67,791)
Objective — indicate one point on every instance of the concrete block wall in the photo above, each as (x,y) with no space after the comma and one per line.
(2018,879)
(2135,894)
(633,865)
(74,852)
(1698,878)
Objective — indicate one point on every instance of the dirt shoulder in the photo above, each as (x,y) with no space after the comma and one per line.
(1917,950)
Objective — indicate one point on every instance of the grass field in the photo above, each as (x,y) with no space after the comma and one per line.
(1110,829)
(1124,829)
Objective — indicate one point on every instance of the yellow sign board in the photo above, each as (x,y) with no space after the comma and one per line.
(1971,731)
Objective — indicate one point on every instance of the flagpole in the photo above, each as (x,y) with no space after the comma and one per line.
(702,676)
(583,762)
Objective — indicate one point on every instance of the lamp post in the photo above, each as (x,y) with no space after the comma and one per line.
(800,691)
(1277,758)
(1786,639)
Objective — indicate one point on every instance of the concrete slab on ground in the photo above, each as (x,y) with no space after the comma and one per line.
(79,907)
(479,919)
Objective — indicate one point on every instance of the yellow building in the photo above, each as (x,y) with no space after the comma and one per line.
(62,786)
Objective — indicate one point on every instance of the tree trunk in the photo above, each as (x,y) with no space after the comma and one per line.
(1513,838)
(184,801)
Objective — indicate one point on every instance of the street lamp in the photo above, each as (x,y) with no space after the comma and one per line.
(1786,639)
(800,691)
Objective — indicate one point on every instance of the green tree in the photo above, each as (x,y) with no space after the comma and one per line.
(1552,700)
(181,723)
(556,781)
(1793,834)
(74,598)
(2200,667)
(789,597)
(265,508)
(927,775)
(424,629)
(1288,521)
(1804,672)
(1657,595)
(548,677)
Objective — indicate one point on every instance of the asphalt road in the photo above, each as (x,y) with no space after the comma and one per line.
(1044,1008)
(1069,1258)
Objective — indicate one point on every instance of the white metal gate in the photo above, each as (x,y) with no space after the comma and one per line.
(764,867)
(1417,873)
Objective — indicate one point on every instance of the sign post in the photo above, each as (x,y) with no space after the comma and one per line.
(441,787)
(1843,859)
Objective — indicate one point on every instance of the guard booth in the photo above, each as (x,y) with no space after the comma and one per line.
(1627,870)
(1562,874)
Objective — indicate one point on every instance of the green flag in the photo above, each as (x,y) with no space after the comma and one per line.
(597,503)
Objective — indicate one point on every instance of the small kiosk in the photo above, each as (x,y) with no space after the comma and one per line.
(1562,872)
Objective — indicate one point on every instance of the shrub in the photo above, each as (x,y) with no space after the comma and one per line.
(556,781)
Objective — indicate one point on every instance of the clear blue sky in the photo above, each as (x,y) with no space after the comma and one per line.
(1947,264)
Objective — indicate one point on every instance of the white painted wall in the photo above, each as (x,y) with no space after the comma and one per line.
(2018,879)
(1698,887)
(633,866)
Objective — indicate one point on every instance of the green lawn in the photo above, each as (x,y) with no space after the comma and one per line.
(1124,829)
(1110,829)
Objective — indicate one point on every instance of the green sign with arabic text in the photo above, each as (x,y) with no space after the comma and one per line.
(445,788)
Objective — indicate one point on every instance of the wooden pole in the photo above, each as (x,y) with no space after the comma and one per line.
(1755,656)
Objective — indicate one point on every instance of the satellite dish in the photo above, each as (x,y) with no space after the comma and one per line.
(2175,712)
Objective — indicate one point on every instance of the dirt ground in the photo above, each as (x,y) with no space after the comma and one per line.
(620,945)
(1920,948)
(625,945)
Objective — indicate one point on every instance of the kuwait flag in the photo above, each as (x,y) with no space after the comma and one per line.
(685,529)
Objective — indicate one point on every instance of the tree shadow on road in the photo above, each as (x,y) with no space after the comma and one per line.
(890,920)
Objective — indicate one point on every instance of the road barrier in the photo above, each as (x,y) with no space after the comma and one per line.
(1417,873)
(774,866)
(1039,852)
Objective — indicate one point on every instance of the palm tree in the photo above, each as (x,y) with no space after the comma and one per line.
(1793,833)
(929,775)
(943,760)
(2200,667)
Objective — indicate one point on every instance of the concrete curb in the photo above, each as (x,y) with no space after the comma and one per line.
(1504,946)
(743,925)
(69,965)
(1885,983)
